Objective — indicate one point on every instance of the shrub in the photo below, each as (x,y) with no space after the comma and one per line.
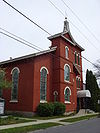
(59,108)
(45,109)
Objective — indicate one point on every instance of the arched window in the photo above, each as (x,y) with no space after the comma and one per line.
(67,93)
(43,83)
(78,82)
(75,57)
(15,77)
(55,96)
(66,51)
(78,59)
(66,73)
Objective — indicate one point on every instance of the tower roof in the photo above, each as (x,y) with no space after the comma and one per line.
(66,30)
(66,25)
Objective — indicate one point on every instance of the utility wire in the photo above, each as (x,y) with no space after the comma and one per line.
(56,7)
(39,27)
(43,28)
(57,57)
(74,25)
(86,27)
(21,38)
(26,17)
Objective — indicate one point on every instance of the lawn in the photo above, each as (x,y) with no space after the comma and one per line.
(29,128)
(51,117)
(80,118)
(13,120)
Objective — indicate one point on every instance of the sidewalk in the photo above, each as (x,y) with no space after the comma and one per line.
(57,120)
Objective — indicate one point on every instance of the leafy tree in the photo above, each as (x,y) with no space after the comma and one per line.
(97,68)
(4,83)
(92,86)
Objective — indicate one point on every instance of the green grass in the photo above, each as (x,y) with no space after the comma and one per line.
(29,128)
(79,118)
(47,118)
(13,120)
(51,117)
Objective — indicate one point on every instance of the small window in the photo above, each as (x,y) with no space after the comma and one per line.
(66,52)
(55,96)
(78,82)
(67,93)
(15,78)
(75,58)
(43,84)
(78,59)
(67,73)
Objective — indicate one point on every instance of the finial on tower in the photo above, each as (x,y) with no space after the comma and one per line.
(66,25)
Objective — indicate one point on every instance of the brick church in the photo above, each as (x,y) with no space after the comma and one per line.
(47,76)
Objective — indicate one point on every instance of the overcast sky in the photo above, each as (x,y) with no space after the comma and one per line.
(44,14)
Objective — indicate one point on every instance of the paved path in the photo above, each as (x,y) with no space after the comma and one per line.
(57,120)
(86,126)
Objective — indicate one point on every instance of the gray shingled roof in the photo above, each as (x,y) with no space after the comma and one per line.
(29,56)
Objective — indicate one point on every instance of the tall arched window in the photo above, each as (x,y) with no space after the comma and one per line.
(75,57)
(43,83)
(78,59)
(67,93)
(15,77)
(66,73)
(66,51)
(78,82)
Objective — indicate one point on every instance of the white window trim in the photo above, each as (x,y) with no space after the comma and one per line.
(77,77)
(13,101)
(68,66)
(43,101)
(68,102)
(45,68)
(67,81)
(79,58)
(55,93)
(65,52)
(15,68)
(67,88)
(76,56)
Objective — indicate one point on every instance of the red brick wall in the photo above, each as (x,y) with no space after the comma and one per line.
(29,78)
(25,86)
(42,61)
(29,83)
(58,83)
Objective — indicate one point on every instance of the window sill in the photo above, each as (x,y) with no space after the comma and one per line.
(43,101)
(67,81)
(78,88)
(67,102)
(77,65)
(13,101)
(67,58)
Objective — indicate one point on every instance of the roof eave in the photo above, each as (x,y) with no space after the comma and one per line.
(28,56)
(62,35)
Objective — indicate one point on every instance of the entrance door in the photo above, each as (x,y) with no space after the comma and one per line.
(78,104)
